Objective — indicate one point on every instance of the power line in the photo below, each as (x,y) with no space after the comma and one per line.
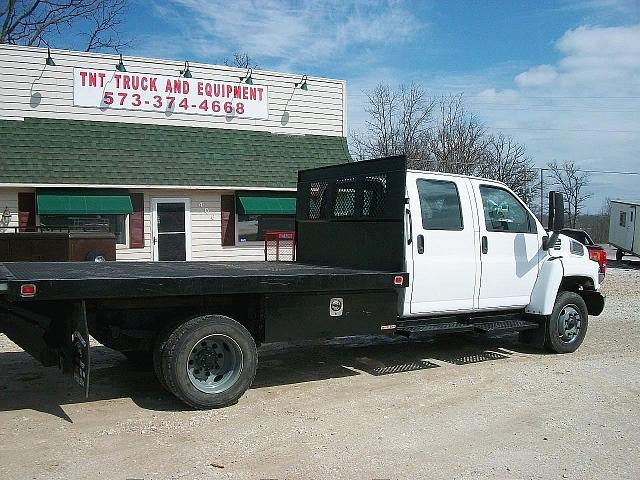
(587,130)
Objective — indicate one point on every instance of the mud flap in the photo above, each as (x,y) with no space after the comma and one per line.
(536,338)
(80,359)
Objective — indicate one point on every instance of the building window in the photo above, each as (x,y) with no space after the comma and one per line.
(623,219)
(87,223)
(251,228)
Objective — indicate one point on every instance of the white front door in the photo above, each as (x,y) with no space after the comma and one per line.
(510,245)
(444,243)
(171,229)
(631,228)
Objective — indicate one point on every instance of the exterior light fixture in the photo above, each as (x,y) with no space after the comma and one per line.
(302,85)
(120,65)
(186,73)
(247,77)
(6,216)
(49,60)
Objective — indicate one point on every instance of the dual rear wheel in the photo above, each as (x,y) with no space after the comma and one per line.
(207,362)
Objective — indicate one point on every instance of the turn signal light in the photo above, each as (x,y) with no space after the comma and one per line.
(599,256)
(28,290)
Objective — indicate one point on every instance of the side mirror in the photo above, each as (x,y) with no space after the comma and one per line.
(556,219)
(556,211)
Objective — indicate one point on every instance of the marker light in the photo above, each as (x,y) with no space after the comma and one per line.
(28,290)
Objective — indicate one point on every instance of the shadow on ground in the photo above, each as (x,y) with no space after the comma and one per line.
(26,384)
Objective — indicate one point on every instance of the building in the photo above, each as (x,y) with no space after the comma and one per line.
(181,161)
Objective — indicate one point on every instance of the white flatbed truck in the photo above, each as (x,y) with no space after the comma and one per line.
(381,249)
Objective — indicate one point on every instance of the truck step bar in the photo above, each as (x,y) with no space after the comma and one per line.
(487,327)
(445,327)
(505,326)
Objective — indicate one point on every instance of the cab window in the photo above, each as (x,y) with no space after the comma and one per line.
(440,205)
(504,213)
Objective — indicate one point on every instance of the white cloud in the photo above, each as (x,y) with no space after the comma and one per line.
(537,76)
(286,34)
(585,107)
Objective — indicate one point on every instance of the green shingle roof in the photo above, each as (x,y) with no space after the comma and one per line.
(36,151)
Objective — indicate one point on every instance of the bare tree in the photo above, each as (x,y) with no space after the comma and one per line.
(37,22)
(399,123)
(506,161)
(573,183)
(240,60)
(459,142)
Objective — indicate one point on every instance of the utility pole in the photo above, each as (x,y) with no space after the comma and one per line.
(542,169)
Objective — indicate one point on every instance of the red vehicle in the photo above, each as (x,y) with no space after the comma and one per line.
(596,252)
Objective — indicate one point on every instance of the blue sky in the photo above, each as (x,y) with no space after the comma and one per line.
(561,77)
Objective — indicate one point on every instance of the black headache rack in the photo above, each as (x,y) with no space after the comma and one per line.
(352,215)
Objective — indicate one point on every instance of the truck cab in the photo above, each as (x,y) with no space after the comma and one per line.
(474,246)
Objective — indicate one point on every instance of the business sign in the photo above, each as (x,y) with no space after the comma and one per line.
(112,89)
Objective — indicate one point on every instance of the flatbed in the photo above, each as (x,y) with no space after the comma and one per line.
(103,280)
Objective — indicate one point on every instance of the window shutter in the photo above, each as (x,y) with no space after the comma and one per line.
(228,210)
(136,221)
(26,211)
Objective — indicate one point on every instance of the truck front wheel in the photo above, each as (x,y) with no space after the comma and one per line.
(209,361)
(567,324)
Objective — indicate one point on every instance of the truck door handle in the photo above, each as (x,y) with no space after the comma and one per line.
(485,244)
(420,244)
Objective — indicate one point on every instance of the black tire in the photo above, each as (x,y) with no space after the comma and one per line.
(240,360)
(158,348)
(619,255)
(95,256)
(568,311)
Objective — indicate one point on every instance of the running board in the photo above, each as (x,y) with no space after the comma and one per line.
(488,328)
(504,326)
(447,327)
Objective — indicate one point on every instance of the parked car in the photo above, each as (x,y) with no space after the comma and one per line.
(597,253)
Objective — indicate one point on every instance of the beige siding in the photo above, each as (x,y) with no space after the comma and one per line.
(9,199)
(206,241)
(31,89)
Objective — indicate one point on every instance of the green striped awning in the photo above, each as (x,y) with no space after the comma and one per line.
(265,203)
(83,202)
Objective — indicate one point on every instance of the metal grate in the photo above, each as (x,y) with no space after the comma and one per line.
(279,246)
(345,202)
(374,194)
(316,196)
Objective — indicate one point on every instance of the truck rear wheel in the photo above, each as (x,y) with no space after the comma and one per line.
(567,324)
(209,361)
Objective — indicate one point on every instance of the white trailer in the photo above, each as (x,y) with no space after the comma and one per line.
(624,231)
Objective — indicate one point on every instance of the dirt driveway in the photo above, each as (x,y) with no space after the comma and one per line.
(450,408)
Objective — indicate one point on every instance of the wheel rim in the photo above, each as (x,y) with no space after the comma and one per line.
(215,363)
(569,324)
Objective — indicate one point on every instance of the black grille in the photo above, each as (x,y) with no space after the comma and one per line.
(316,199)
(345,203)
(374,195)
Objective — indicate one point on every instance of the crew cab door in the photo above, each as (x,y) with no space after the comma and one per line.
(510,245)
(444,244)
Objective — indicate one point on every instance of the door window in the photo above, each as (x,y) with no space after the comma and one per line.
(504,213)
(171,231)
(440,205)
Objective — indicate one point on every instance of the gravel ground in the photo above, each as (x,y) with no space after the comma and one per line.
(456,407)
